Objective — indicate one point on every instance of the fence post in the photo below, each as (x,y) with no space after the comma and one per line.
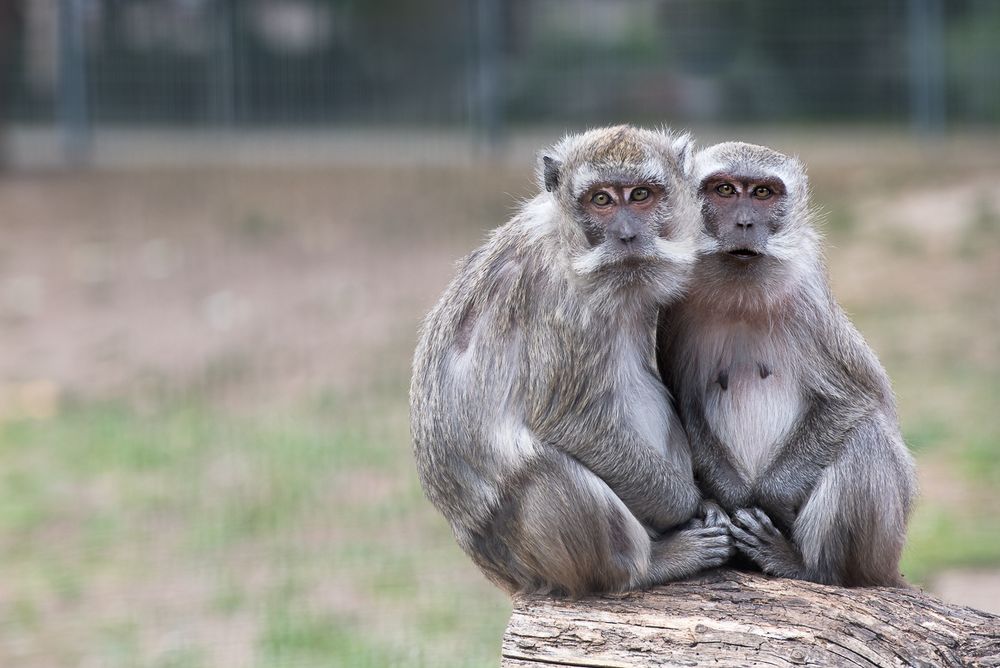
(925,37)
(71,103)
(488,82)
(222,73)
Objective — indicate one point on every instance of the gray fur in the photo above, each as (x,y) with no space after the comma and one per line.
(541,429)
(814,441)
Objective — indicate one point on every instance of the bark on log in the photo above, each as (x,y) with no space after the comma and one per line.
(731,618)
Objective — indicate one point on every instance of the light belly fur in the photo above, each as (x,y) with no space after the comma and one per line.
(754,415)
(762,400)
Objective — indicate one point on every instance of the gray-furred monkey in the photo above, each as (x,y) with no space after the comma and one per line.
(786,407)
(541,429)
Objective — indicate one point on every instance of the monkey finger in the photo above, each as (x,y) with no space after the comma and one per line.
(720,549)
(744,544)
(747,548)
(716,518)
(713,513)
(747,520)
(741,537)
(765,521)
(711,539)
(716,560)
(712,532)
(725,541)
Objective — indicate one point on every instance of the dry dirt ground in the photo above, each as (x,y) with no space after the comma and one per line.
(114,280)
(260,289)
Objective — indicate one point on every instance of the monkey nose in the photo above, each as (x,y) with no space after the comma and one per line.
(626,237)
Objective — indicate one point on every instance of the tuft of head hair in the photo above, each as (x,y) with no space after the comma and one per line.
(753,160)
(573,164)
(662,260)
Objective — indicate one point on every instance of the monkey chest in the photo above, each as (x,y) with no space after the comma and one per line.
(752,406)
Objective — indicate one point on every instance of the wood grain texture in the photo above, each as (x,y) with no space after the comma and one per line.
(731,618)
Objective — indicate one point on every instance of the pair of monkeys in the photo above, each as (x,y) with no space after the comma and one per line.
(644,373)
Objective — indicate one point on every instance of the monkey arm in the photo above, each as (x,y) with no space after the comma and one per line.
(848,387)
(814,445)
(654,489)
(851,523)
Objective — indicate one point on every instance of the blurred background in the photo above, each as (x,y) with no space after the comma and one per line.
(220,224)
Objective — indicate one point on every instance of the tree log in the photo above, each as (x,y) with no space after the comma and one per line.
(732,618)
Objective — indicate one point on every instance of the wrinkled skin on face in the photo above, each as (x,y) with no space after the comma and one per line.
(742,211)
(619,212)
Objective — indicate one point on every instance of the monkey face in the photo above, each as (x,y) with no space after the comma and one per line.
(622,215)
(628,215)
(742,212)
(628,233)
(758,241)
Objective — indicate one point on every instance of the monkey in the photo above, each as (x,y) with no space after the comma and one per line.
(541,429)
(791,417)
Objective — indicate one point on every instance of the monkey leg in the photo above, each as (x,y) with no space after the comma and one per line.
(562,530)
(851,529)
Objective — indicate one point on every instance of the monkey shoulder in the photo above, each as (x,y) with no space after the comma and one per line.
(494,293)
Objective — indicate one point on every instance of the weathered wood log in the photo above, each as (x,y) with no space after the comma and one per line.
(731,618)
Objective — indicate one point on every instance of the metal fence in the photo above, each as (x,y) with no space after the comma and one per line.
(488,64)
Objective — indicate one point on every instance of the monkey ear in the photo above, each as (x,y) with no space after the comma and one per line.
(550,172)
(683,146)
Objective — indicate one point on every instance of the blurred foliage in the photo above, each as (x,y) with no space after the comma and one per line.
(972,51)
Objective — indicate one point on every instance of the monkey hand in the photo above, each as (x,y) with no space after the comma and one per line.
(756,536)
(711,514)
(701,547)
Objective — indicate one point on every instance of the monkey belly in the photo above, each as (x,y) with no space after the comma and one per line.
(751,411)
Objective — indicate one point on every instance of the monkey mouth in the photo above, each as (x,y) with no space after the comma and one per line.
(743,253)
(633,260)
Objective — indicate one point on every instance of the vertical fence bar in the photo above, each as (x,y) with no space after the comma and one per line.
(488,79)
(71,101)
(222,77)
(925,36)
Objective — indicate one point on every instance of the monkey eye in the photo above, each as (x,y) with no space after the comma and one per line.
(639,194)
(726,190)
(762,192)
(601,198)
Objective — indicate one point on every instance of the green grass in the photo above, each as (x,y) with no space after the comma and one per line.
(307,528)
(309,531)
(301,638)
(942,538)
(264,506)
